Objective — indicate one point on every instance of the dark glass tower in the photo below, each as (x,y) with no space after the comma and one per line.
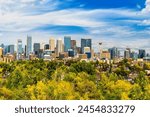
(85,43)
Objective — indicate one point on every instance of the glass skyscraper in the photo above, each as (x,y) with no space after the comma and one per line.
(114,53)
(11,49)
(67,43)
(29,45)
(142,53)
(19,48)
(85,43)
(36,49)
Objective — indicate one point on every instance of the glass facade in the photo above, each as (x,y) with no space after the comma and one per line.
(85,43)
(67,43)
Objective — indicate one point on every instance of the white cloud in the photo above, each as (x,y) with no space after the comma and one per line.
(147,7)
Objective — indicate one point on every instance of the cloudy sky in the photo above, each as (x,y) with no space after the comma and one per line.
(120,23)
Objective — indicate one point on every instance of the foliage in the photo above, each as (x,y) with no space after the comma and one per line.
(74,80)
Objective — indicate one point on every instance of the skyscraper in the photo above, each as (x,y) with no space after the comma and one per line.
(19,48)
(114,53)
(142,53)
(11,49)
(59,47)
(126,54)
(29,45)
(46,47)
(73,44)
(1,52)
(36,49)
(52,44)
(85,43)
(67,43)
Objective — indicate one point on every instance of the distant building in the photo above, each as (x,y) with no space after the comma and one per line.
(71,53)
(73,44)
(46,47)
(114,53)
(52,44)
(11,49)
(67,43)
(59,47)
(2,45)
(105,55)
(129,50)
(36,47)
(29,46)
(1,52)
(127,54)
(134,55)
(19,48)
(85,43)
(87,51)
(142,53)
(5,49)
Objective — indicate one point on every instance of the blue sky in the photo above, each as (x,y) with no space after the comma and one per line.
(120,23)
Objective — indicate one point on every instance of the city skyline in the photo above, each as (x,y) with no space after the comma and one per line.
(121,24)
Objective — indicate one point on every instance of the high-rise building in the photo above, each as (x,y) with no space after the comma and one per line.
(11,49)
(29,46)
(67,43)
(85,43)
(142,53)
(73,44)
(5,49)
(114,53)
(52,44)
(36,49)
(127,54)
(19,48)
(46,47)
(1,52)
(59,47)
(134,55)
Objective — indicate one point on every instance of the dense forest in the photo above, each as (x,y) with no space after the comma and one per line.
(74,80)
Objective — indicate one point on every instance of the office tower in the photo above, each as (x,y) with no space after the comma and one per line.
(114,53)
(134,55)
(19,48)
(87,51)
(5,49)
(67,43)
(59,47)
(52,44)
(126,54)
(85,43)
(36,48)
(11,49)
(71,53)
(129,51)
(29,46)
(142,53)
(46,47)
(1,52)
(73,44)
